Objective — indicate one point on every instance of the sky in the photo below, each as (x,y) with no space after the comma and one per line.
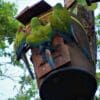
(23,3)
(6,86)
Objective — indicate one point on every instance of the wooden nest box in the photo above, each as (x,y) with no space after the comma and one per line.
(34,11)
(73,77)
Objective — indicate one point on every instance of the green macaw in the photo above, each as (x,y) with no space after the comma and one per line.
(20,43)
(32,37)
(40,37)
(47,32)
(60,19)
(20,38)
(39,33)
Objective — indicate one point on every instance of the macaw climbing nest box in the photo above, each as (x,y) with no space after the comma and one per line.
(73,75)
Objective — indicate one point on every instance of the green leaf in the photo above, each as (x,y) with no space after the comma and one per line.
(98,78)
(2,45)
(82,2)
(93,6)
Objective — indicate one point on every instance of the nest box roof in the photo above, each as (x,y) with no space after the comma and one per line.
(29,12)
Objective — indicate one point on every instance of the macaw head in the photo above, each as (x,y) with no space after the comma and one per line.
(35,22)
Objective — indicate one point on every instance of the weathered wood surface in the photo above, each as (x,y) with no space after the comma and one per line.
(33,11)
(87,19)
(69,3)
(61,56)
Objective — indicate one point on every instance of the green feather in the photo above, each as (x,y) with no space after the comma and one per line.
(35,22)
(39,33)
(60,19)
(20,37)
(47,32)
(58,6)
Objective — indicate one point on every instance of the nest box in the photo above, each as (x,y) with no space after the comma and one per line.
(74,75)
(36,10)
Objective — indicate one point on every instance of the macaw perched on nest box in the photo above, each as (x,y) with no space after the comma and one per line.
(39,34)
(39,37)
(20,42)
(20,38)
(61,21)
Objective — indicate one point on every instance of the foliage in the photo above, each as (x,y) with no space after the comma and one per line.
(97,27)
(8,28)
(98,78)
(28,89)
(8,24)
(97,21)
(83,2)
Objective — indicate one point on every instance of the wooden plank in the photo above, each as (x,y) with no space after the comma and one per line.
(87,19)
(61,56)
(34,11)
(69,3)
